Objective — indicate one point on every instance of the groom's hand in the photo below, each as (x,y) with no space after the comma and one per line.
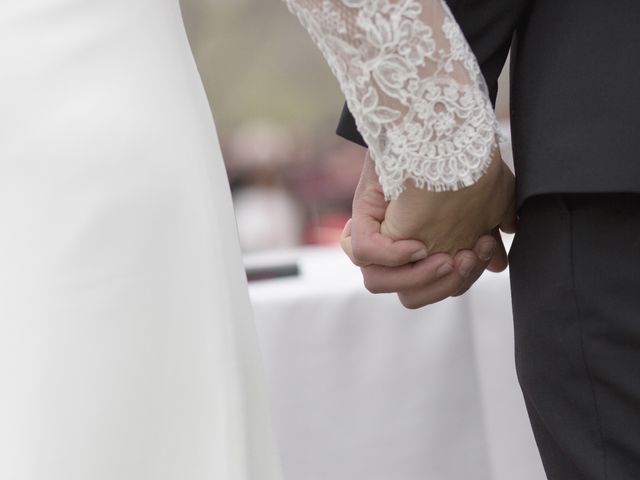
(402,266)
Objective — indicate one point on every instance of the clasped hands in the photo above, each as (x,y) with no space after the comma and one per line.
(427,246)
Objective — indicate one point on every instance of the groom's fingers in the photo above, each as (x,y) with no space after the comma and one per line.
(468,267)
(379,279)
(497,261)
(430,293)
(479,261)
(367,246)
(491,256)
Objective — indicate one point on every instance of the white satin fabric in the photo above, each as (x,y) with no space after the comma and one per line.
(127,345)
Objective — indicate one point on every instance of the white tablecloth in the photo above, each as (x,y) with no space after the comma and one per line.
(363,389)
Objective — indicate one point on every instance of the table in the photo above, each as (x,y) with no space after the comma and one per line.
(362,388)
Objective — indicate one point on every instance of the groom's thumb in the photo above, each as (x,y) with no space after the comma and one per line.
(500,260)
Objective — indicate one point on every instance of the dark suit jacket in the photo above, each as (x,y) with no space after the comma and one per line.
(575,93)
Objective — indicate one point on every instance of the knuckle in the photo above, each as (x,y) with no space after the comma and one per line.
(410,302)
(346,247)
(371,283)
(461,292)
(457,284)
(358,263)
(360,253)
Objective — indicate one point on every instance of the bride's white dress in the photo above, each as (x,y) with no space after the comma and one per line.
(127,345)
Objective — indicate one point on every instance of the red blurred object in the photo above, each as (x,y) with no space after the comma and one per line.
(327,230)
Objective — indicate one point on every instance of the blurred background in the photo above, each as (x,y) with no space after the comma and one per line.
(276,106)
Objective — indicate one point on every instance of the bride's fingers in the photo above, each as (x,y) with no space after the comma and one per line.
(345,240)
(402,259)
(365,245)
(379,279)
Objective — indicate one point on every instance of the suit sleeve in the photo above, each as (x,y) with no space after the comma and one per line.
(489,26)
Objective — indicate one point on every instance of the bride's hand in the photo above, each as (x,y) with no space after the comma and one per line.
(447,222)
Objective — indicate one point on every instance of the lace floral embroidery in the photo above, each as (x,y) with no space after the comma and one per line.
(413,86)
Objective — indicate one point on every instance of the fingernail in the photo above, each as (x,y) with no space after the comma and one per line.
(419,255)
(485,251)
(466,267)
(444,270)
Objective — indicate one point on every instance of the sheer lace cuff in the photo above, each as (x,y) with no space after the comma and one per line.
(413,86)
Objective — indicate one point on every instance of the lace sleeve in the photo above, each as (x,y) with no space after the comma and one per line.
(413,86)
